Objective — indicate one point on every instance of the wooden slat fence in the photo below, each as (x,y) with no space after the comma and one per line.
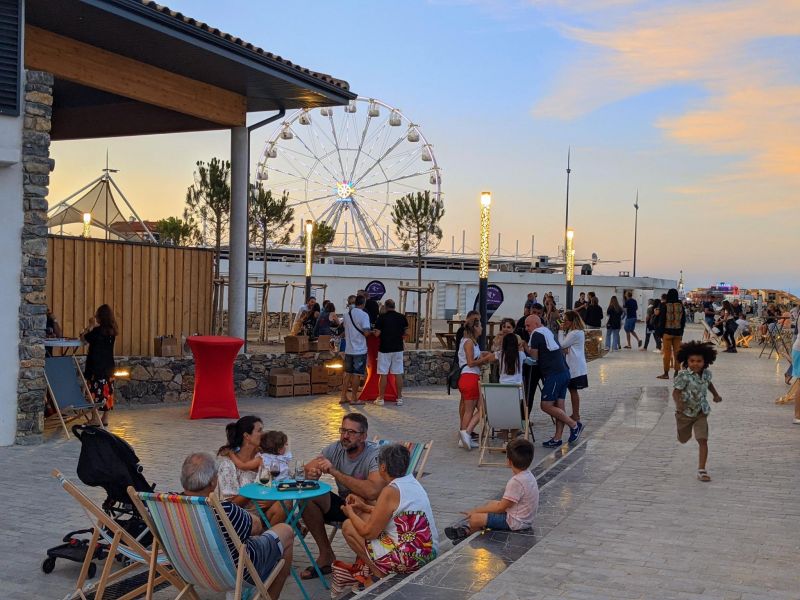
(153,290)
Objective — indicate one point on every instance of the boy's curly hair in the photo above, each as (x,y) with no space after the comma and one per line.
(695,348)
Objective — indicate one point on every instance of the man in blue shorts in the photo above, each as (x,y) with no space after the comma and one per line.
(631,310)
(356,329)
(549,356)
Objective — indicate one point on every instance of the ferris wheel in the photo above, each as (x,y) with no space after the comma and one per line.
(347,166)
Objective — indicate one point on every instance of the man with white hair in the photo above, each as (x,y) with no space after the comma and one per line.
(265,548)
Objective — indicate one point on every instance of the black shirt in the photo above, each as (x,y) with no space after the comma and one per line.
(550,362)
(373,309)
(614,318)
(520,328)
(594,315)
(100,357)
(392,326)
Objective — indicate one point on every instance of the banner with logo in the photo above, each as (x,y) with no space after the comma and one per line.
(494,298)
(375,290)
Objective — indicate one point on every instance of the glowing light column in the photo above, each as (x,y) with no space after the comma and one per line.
(483,265)
(309,247)
(87,223)
(570,267)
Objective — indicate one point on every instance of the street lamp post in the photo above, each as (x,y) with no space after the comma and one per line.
(570,268)
(87,222)
(483,266)
(309,246)
(635,230)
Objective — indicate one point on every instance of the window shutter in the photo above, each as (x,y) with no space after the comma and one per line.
(10,38)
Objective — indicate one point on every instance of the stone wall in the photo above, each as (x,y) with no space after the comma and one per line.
(155,380)
(36,164)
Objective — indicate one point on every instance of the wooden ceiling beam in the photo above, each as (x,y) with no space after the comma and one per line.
(93,67)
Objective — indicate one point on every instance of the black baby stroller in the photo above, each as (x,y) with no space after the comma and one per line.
(106,461)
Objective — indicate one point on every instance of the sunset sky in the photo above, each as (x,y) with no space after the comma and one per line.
(695,104)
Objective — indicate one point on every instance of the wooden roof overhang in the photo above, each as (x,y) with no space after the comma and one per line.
(131,67)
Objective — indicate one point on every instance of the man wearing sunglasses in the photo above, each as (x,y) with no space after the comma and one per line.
(353,463)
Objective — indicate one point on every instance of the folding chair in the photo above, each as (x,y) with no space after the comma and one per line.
(712,337)
(743,337)
(120,542)
(190,531)
(504,407)
(68,391)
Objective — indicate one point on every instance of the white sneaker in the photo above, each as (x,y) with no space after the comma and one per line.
(474,444)
(657,351)
(379,402)
(466,439)
(796,421)
(399,402)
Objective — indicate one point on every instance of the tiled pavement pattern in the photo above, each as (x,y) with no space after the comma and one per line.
(627,520)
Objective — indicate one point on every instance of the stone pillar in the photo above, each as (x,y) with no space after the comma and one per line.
(237,288)
(36,167)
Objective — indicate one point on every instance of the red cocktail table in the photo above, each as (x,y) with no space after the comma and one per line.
(372,385)
(213,376)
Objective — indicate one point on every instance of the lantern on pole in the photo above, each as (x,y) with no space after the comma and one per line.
(483,265)
(309,251)
(87,223)
(570,267)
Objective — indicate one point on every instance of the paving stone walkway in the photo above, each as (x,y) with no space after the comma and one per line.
(628,520)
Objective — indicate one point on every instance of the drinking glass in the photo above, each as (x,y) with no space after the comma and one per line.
(264,476)
(299,471)
(274,469)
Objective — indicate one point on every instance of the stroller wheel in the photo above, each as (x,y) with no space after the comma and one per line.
(49,564)
(92,570)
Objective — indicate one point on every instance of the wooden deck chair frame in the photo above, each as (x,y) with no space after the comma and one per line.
(712,337)
(121,542)
(88,411)
(417,469)
(188,589)
(501,413)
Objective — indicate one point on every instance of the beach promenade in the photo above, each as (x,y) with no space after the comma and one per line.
(622,515)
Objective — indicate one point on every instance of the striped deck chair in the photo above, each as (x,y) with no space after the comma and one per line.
(419,456)
(189,529)
(120,542)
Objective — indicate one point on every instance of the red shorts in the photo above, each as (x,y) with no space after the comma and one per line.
(469,386)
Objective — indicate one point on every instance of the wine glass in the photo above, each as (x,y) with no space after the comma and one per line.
(274,469)
(264,476)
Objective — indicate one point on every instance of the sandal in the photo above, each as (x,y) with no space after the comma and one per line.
(703,475)
(311,572)
(664,376)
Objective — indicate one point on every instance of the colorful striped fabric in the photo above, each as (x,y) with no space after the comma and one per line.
(192,537)
(415,449)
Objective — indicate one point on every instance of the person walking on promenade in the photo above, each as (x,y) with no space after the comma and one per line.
(672,322)
(544,348)
(728,326)
(613,324)
(649,326)
(594,312)
(631,310)
(572,339)
(356,328)
(470,360)
(691,386)
(392,329)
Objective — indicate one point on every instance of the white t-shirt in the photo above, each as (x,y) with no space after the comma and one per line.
(576,356)
(462,357)
(516,378)
(356,342)
(523,490)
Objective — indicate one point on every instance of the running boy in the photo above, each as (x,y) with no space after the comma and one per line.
(520,500)
(692,384)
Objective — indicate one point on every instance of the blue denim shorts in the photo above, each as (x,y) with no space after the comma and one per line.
(497,521)
(630,324)
(355,364)
(554,387)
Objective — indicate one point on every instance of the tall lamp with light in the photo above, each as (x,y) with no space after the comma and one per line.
(483,266)
(309,251)
(87,223)
(570,268)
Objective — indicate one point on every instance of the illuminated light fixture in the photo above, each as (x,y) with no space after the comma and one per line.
(483,268)
(309,247)
(87,223)
(570,270)
(122,374)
